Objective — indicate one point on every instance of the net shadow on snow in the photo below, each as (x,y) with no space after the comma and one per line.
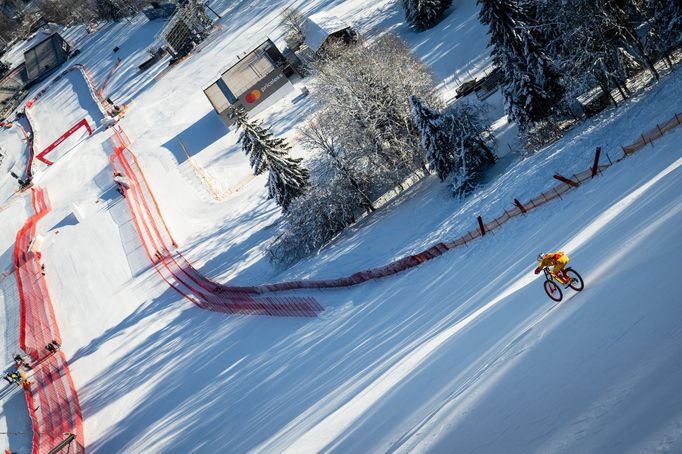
(198,136)
(167,349)
(246,244)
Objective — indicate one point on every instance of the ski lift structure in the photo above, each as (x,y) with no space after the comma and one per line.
(45,56)
(251,83)
(188,27)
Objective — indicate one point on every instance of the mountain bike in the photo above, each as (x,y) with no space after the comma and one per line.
(553,286)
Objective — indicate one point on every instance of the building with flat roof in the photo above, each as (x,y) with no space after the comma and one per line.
(249,82)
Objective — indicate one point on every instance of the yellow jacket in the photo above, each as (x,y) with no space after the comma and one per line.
(552,259)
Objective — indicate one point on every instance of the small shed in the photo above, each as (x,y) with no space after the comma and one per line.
(320,28)
(45,56)
(249,82)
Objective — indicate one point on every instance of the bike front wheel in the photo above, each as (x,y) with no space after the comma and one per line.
(553,290)
(577,283)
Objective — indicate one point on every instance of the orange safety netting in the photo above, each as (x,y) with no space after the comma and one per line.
(52,399)
(175,269)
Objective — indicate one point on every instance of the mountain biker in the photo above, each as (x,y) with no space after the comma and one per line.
(558,260)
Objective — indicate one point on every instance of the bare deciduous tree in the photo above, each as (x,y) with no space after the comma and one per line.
(293,23)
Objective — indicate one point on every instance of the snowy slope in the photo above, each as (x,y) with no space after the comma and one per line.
(13,152)
(465,353)
(381,369)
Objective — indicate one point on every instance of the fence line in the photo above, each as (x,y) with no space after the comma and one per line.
(174,268)
(555,192)
(50,392)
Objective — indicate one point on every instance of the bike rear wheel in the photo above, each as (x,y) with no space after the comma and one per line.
(553,290)
(577,283)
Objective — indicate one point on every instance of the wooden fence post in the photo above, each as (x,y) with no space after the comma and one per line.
(481,226)
(518,204)
(595,166)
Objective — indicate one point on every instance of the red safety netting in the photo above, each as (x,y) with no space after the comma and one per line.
(175,269)
(81,124)
(50,392)
(28,137)
(102,89)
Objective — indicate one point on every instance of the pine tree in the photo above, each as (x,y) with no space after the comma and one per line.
(286,177)
(469,136)
(587,48)
(664,19)
(109,10)
(435,138)
(530,83)
(424,14)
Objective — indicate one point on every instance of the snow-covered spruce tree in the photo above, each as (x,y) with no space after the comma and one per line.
(286,177)
(588,49)
(424,14)
(530,83)
(664,21)
(625,16)
(436,137)
(470,136)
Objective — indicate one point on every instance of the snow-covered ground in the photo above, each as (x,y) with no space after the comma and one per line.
(13,155)
(464,353)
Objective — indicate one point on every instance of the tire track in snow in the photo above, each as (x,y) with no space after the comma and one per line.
(334,425)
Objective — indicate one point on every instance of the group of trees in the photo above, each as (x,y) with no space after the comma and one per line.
(424,14)
(66,12)
(456,142)
(552,51)
(368,136)
(380,120)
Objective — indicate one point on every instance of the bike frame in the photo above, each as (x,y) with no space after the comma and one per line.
(550,276)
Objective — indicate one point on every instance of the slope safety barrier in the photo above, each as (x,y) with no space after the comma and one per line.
(81,124)
(102,89)
(174,268)
(28,138)
(52,399)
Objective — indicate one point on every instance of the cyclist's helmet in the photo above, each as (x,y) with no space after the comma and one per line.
(540,256)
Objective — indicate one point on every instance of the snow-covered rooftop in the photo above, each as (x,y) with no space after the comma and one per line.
(319,26)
